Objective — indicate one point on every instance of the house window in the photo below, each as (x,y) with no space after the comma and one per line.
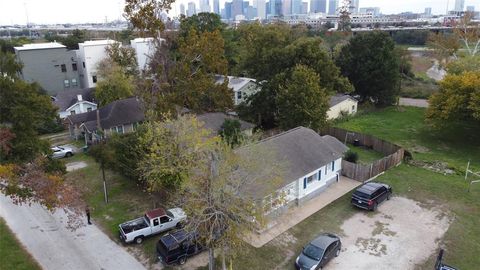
(74,66)
(319,175)
(333,165)
(120,129)
(66,83)
(304,183)
(326,169)
(310,179)
(353,108)
(89,109)
(83,64)
(94,78)
(239,95)
(72,112)
(63,67)
(74,82)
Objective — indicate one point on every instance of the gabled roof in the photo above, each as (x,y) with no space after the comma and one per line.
(298,151)
(236,83)
(214,121)
(338,98)
(65,99)
(120,112)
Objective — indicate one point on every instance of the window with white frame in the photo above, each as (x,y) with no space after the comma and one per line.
(239,95)
(74,82)
(310,179)
(66,83)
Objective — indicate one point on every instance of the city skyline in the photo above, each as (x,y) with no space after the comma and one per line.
(41,12)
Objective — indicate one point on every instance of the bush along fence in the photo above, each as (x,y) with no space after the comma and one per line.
(393,154)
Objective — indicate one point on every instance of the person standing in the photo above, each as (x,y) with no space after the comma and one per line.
(87,211)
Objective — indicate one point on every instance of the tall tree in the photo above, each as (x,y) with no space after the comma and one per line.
(125,57)
(457,100)
(301,99)
(114,83)
(193,76)
(201,22)
(372,65)
(144,15)
(344,22)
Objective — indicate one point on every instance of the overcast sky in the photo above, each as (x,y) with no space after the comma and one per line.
(79,11)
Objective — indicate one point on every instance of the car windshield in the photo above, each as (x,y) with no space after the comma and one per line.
(170,214)
(313,252)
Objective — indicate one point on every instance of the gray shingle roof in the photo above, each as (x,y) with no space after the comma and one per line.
(120,112)
(235,83)
(334,100)
(65,99)
(299,151)
(214,121)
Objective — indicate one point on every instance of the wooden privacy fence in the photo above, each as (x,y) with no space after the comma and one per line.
(393,153)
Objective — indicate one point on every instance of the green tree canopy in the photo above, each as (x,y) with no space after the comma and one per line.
(125,57)
(231,132)
(457,100)
(301,99)
(201,22)
(370,62)
(113,84)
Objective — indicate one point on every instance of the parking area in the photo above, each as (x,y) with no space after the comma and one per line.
(400,235)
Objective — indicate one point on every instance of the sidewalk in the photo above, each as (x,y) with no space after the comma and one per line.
(297,214)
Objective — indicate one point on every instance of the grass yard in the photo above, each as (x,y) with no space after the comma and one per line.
(365,155)
(126,201)
(12,253)
(405,126)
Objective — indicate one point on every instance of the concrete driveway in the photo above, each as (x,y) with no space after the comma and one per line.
(54,247)
(400,235)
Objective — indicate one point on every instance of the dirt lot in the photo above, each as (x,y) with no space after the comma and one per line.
(400,235)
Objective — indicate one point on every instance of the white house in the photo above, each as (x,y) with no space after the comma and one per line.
(75,101)
(310,162)
(144,49)
(341,104)
(242,87)
(89,54)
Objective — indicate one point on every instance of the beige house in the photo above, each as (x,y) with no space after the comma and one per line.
(341,105)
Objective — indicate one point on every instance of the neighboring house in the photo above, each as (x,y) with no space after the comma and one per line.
(73,102)
(242,87)
(89,54)
(309,164)
(50,65)
(341,104)
(214,122)
(144,50)
(121,116)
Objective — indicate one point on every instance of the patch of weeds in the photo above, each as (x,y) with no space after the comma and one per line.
(381,228)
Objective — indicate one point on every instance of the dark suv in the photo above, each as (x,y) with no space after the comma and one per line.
(369,195)
(177,246)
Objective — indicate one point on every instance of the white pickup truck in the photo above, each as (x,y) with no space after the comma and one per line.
(153,222)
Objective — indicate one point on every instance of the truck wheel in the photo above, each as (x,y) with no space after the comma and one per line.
(389,196)
(182,260)
(68,154)
(138,239)
(374,207)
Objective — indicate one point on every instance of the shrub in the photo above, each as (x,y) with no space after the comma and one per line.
(351,156)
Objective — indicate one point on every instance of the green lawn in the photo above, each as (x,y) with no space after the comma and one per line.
(12,253)
(126,200)
(365,155)
(405,126)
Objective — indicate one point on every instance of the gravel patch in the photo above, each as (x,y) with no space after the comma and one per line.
(400,235)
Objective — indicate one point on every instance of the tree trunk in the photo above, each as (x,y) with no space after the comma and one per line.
(211,259)
(224,265)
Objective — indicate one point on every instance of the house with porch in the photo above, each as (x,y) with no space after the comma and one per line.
(311,163)
(120,116)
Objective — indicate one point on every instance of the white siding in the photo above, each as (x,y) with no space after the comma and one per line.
(144,49)
(326,174)
(79,107)
(349,106)
(246,90)
(91,53)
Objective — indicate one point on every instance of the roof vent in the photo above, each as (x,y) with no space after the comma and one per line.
(79,97)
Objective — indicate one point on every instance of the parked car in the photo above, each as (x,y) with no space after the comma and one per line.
(61,152)
(177,246)
(370,195)
(153,222)
(319,252)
